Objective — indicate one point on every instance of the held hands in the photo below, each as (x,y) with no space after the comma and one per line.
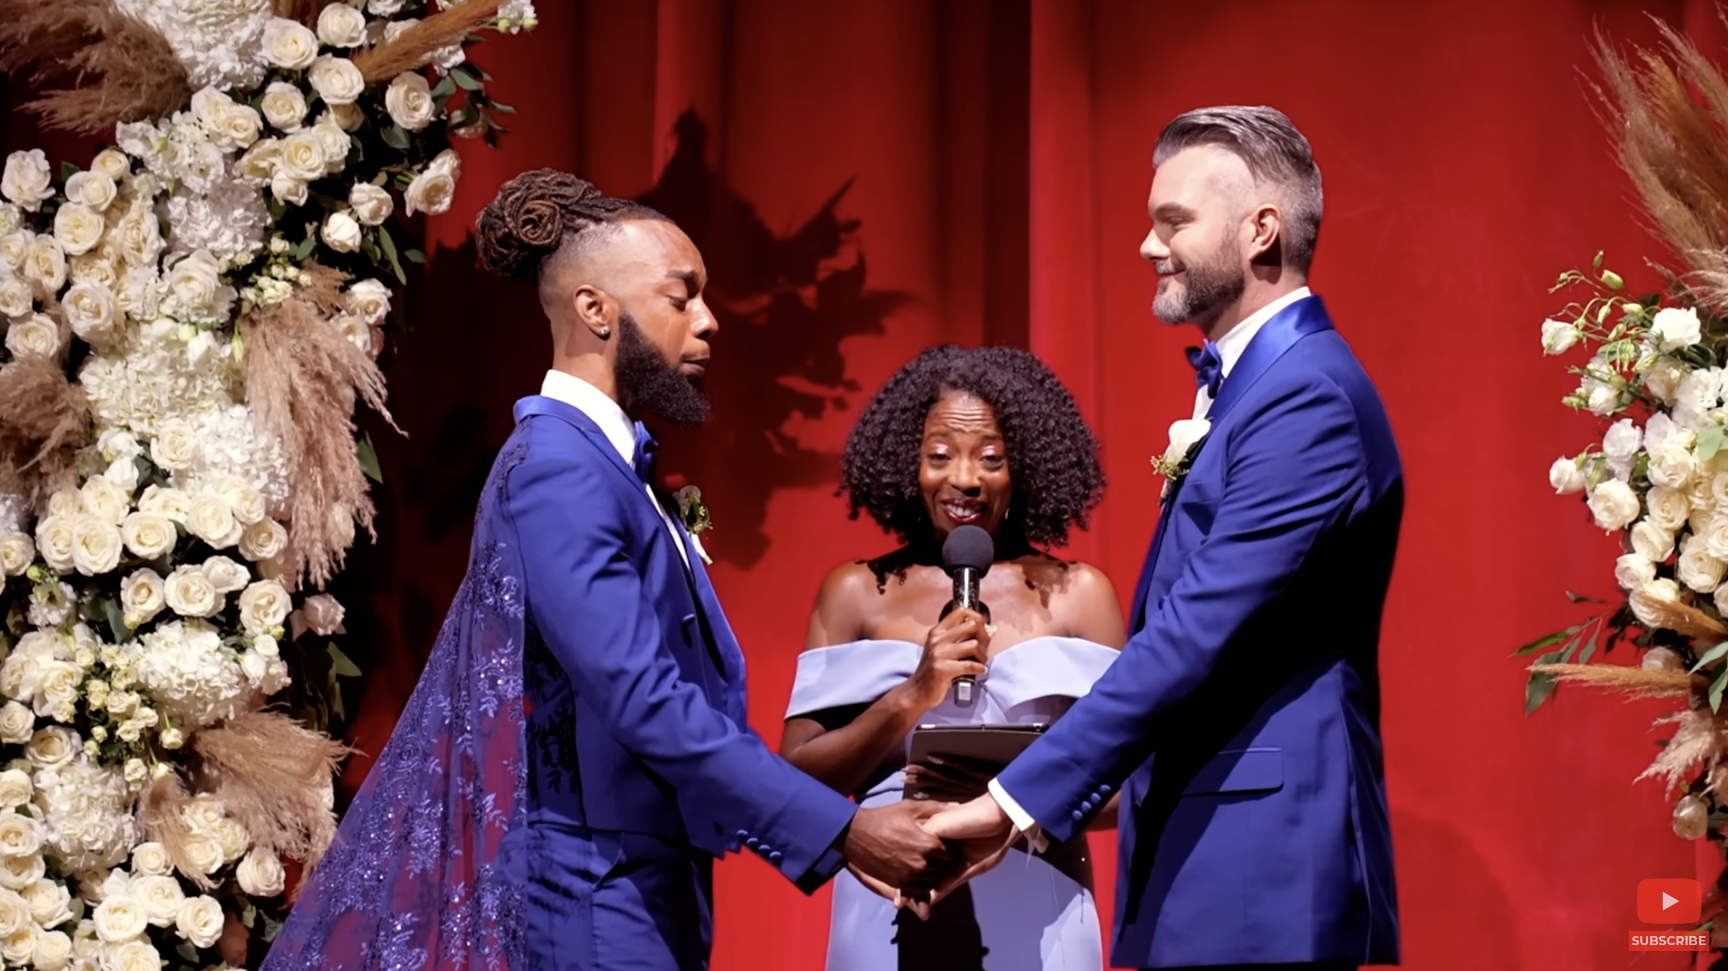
(955,647)
(974,837)
(889,847)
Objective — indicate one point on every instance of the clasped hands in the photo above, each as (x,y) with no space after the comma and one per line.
(919,850)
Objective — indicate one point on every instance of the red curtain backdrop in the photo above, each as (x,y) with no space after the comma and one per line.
(995,156)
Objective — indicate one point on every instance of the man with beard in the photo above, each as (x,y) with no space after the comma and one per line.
(576,755)
(1241,721)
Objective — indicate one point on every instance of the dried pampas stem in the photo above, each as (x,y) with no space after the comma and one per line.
(160,815)
(302,380)
(1701,739)
(115,68)
(1639,682)
(415,47)
(1656,613)
(44,421)
(274,776)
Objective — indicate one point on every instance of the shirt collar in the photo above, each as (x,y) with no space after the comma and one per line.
(1232,345)
(591,401)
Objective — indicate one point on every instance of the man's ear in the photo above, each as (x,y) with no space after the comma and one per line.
(1265,235)
(594,310)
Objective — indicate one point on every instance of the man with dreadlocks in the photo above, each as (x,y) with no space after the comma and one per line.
(576,755)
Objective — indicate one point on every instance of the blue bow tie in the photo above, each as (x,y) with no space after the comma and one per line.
(1208,367)
(643,459)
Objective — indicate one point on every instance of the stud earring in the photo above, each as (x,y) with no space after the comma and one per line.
(605,332)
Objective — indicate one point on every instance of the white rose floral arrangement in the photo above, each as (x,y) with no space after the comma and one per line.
(190,321)
(1655,376)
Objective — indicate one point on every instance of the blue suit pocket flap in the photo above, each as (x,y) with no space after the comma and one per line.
(1241,770)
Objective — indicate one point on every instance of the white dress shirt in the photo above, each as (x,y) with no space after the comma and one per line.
(615,424)
(1230,349)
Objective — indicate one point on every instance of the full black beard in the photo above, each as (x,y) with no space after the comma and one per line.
(651,383)
(1208,286)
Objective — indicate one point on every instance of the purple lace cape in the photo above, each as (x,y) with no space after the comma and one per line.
(422,874)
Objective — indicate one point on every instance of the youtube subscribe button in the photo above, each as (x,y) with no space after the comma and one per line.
(1669,902)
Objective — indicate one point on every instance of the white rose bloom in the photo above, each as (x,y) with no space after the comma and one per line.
(384,8)
(50,903)
(1669,508)
(1675,328)
(259,162)
(336,79)
(233,838)
(341,232)
(52,747)
(57,687)
(1558,336)
(195,284)
(369,300)
(355,331)
(1620,444)
(200,921)
(14,246)
(1697,568)
(92,312)
(284,106)
(336,143)
(323,614)
(151,859)
(96,545)
(1566,477)
(1614,505)
(16,873)
(372,205)
(149,535)
(66,502)
(94,268)
(212,520)
(10,218)
(409,101)
(1697,396)
(137,238)
(17,552)
(14,912)
(20,673)
(160,896)
(190,593)
(260,873)
(263,540)
(18,948)
(55,541)
(78,228)
(54,606)
(17,724)
(143,594)
(53,952)
(226,575)
(45,264)
(289,44)
(139,955)
(105,500)
(263,606)
(27,179)
(303,157)
(288,190)
(93,189)
(431,192)
(175,447)
(340,25)
(1663,379)
(15,787)
(1673,464)
(35,334)
(204,853)
(17,299)
(240,127)
(173,503)
(112,164)
(20,835)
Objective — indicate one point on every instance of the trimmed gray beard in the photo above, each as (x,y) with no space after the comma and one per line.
(1207,286)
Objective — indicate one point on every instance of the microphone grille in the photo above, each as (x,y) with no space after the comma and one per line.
(968,546)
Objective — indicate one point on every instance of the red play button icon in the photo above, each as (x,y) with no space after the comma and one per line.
(1669,901)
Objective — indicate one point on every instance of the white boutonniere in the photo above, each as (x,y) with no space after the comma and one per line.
(694,512)
(1185,435)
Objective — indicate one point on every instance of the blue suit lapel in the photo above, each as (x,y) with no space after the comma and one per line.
(1278,335)
(542,405)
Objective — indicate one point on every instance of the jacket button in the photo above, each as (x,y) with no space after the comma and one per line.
(752,842)
(1078,815)
(1104,789)
(743,834)
(775,857)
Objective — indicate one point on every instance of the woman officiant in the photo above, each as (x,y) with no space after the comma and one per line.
(989,438)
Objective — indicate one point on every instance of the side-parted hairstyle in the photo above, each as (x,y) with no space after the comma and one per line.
(537,213)
(1275,153)
(1052,453)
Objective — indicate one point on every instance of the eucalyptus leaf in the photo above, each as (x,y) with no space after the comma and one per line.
(272,927)
(187,951)
(116,619)
(1710,441)
(389,246)
(414,256)
(1541,685)
(368,457)
(340,665)
(1716,690)
(1548,640)
(1579,598)
(1713,654)
(1590,647)
(68,170)
(397,137)
(444,88)
(466,79)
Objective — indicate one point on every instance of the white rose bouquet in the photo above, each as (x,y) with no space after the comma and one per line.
(167,308)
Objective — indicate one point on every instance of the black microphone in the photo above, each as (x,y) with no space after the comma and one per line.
(967,555)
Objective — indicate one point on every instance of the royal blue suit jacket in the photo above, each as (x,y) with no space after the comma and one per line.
(1244,711)
(636,681)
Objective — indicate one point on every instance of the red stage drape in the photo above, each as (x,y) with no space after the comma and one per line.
(998,158)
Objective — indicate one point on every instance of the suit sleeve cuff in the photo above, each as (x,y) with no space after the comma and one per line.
(1022,820)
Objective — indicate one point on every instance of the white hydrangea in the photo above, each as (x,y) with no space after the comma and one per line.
(232,443)
(229,219)
(151,377)
(219,43)
(15,512)
(83,807)
(187,670)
